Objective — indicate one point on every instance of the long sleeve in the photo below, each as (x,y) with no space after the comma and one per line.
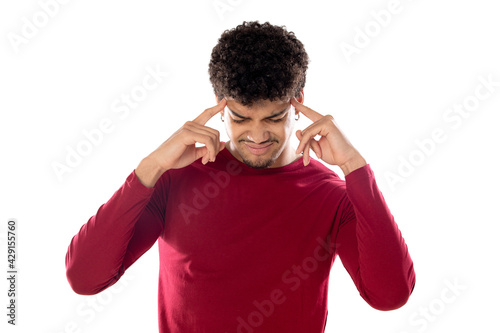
(123,229)
(370,245)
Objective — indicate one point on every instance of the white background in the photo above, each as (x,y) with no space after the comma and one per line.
(395,90)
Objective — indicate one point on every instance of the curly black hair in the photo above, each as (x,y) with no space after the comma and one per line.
(254,62)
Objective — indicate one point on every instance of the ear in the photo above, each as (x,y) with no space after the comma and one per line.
(217,100)
(301,98)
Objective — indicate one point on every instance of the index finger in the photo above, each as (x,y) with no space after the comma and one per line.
(210,112)
(308,112)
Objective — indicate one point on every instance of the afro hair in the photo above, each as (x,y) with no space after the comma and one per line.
(255,62)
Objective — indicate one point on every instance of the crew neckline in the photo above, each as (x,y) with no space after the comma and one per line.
(298,164)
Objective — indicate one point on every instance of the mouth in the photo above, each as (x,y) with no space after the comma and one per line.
(258,149)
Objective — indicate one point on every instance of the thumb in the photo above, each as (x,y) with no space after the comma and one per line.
(200,152)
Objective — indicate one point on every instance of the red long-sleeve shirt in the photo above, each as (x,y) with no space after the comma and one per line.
(247,250)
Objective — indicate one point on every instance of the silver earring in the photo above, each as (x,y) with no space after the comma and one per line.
(222,118)
(298,116)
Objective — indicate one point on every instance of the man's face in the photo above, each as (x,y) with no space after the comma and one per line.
(260,135)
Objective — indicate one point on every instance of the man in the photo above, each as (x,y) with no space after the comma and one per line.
(247,241)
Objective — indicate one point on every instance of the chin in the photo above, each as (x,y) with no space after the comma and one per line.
(259,162)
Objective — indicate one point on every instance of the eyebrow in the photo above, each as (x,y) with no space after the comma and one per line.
(272,116)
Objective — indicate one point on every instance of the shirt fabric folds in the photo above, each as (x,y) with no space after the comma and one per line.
(247,250)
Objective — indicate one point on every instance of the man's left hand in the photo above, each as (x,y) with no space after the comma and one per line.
(333,147)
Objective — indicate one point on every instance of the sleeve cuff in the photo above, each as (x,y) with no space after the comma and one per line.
(136,186)
(360,174)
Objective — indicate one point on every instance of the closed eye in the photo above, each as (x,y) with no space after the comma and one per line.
(273,120)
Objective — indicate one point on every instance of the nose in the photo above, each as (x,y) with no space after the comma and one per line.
(258,134)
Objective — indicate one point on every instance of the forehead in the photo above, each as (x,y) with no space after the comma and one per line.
(260,108)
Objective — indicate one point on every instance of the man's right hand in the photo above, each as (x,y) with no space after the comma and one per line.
(179,150)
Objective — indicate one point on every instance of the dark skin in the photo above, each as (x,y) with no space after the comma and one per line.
(179,150)
(333,147)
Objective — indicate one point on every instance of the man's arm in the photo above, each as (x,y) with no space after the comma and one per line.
(130,222)
(121,231)
(370,245)
(368,240)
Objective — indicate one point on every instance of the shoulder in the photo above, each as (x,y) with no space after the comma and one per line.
(318,173)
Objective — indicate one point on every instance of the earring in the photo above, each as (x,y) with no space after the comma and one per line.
(298,116)
(221,118)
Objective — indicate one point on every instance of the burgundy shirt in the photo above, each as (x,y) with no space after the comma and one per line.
(247,250)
